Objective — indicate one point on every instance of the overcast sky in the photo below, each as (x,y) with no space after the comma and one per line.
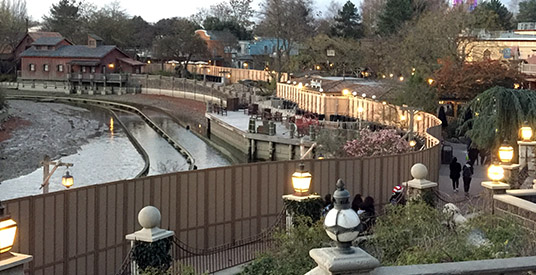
(153,10)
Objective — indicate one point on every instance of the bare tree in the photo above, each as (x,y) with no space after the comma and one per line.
(13,25)
(290,22)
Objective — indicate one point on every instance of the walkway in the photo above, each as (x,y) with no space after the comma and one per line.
(480,174)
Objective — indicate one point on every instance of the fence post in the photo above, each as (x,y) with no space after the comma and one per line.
(144,241)
(419,187)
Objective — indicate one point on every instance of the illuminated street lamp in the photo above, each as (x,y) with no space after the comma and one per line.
(67,180)
(495,173)
(430,81)
(301,181)
(506,153)
(345,92)
(526,131)
(8,231)
(412,143)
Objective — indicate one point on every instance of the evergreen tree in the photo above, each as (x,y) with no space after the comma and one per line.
(66,17)
(394,14)
(527,11)
(348,22)
(493,15)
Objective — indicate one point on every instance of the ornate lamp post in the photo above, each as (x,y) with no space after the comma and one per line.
(341,222)
(341,226)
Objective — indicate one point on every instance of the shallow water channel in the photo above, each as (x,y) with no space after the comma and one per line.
(109,155)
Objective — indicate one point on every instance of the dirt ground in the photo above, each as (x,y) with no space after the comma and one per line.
(36,129)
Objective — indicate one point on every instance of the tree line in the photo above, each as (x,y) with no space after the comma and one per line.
(384,37)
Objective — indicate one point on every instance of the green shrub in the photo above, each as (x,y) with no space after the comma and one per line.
(417,234)
(290,254)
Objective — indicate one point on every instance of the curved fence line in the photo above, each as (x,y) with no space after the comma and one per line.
(425,124)
(81,230)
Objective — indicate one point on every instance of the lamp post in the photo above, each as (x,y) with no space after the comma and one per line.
(506,152)
(10,263)
(495,186)
(341,226)
(301,183)
(67,180)
(342,222)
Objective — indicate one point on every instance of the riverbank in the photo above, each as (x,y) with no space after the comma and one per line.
(38,129)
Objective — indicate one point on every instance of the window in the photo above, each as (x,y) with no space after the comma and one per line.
(32,67)
(60,68)
(83,69)
(45,67)
(92,69)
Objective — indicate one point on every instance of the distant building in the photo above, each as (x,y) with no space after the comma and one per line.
(517,46)
(260,52)
(220,45)
(55,58)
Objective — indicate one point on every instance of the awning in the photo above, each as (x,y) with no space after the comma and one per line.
(84,62)
(131,61)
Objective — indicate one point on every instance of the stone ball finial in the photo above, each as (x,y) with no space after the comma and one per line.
(149,217)
(419,171)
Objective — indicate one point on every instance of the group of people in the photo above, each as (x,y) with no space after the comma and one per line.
(457,171)
(363,207)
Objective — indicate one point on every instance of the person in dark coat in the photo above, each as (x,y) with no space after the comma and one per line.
(455,170)
(473,155)
(467,175)
(443,117)
(356,202)
(368,217)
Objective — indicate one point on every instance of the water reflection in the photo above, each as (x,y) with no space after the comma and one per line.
(205,155)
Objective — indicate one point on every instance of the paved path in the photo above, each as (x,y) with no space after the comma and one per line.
(445,183)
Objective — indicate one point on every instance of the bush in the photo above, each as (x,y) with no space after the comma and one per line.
(290,254)
(417,234)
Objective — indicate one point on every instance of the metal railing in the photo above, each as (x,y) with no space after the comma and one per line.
(217,258)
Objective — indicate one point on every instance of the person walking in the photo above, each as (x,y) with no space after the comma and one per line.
(467,176)
(455,170)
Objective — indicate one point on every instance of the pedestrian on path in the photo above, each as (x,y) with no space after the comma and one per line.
(467,176)
(455,170)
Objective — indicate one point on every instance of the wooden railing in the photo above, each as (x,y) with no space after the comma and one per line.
(235,74)
(428,126)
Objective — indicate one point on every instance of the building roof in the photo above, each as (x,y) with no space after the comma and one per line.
(96,37)
(78,51)
(48,41)
(37,35)
(131,61)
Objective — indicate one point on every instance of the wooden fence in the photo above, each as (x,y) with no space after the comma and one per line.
(234,74)
(82,230)
(425,124)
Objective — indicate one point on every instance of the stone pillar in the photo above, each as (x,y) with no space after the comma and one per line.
(149,218)
(490,189)
(511,175)
(419,187)
(527,156)
(13,264)
(331,261)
